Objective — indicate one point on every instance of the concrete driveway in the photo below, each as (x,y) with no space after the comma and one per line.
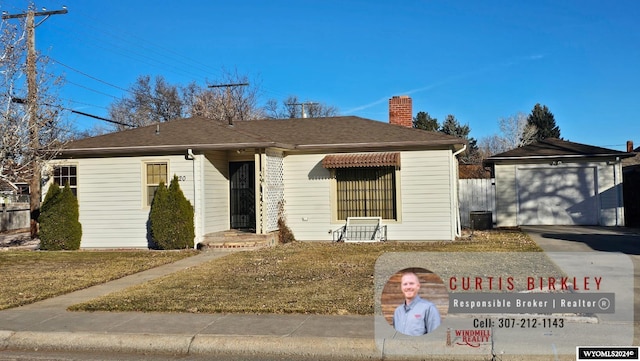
(586,238)
(592,238)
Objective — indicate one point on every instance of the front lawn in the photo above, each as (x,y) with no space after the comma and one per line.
(30,276)
(301,277)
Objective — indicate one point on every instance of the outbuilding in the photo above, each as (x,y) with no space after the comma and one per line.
(557,182)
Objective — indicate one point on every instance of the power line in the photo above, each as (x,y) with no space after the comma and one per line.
(90,76)
(23,101)
(93,90)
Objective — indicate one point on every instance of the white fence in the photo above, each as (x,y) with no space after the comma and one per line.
(476,195)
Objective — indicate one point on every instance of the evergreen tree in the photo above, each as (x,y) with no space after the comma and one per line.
(60,228)
(544,121)
(184,214)
(423,121)
(171,218)
(451,126)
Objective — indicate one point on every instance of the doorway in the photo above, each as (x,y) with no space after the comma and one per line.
(242,196)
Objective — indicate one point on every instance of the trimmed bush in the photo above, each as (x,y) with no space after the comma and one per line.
(60,228)
(171,218)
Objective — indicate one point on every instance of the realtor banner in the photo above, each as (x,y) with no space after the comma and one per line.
(493,303)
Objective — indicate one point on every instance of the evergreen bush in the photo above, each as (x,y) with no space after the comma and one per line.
(171,218)
(60,228)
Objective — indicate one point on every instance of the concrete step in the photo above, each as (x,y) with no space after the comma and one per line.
(237,240)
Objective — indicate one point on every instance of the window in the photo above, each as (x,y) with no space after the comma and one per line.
(66,174)
(156,173)
(366,192)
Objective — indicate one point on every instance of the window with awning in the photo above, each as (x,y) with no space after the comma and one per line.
(365,184)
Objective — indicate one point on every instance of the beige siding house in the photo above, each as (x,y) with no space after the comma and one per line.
(319,171)
(556,182)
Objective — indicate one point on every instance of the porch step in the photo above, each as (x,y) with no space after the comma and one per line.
(237,240)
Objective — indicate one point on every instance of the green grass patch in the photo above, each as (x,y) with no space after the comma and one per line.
(29,276)
(300,277)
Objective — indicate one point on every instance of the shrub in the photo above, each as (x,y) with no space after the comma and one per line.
(60,228)
(285,235)
(171,218)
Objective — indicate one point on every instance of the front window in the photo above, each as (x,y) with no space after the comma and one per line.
(66,174)
(156,173)
(366,192)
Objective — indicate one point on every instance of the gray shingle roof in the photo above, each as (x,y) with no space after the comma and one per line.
(557,148)
(201,134)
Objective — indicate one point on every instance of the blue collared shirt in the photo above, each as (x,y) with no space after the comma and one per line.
(417,318)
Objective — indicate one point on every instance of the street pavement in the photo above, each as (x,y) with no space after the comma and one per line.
(48,326)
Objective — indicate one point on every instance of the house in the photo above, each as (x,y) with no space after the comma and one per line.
(557,182)
(631,176)
(319,171)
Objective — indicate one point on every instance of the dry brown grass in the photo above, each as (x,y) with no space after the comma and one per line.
(29,276)
(301,277)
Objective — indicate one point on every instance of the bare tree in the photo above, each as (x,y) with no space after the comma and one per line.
(31,131)
(292,107)
(148,103)
(515,132)
(232,97)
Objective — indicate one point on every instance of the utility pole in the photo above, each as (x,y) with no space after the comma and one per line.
(227,98)
(32,109)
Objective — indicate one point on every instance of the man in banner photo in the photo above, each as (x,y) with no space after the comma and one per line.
(415,316)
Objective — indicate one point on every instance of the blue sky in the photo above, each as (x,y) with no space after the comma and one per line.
(478,60)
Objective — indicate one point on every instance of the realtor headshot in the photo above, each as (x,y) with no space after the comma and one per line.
(414,301)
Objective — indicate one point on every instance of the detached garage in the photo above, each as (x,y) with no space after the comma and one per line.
(556,182)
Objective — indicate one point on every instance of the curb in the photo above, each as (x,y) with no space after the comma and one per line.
(300,347)
(183,345)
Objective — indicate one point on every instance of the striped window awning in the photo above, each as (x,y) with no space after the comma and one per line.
(361,160)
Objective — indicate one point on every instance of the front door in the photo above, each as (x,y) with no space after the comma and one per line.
(242,197)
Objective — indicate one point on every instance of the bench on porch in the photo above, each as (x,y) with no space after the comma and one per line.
(361,229)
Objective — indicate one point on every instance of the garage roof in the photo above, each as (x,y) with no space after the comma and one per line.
(557,148)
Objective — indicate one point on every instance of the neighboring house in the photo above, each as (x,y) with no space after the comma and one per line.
(322,170)
(8,191)
(13,192)
(631,176)
(556,182)
(14,212)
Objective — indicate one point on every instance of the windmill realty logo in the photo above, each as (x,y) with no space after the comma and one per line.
(471,338)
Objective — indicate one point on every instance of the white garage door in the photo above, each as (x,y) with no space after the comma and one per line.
(557,196)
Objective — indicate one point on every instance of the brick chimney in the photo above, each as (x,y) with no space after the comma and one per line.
(629,146)
(400,111)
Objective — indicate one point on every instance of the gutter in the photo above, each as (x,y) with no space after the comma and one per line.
(571,156)
(178,149)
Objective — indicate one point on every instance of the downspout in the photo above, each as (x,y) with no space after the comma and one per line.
(192,157)
(454,182)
